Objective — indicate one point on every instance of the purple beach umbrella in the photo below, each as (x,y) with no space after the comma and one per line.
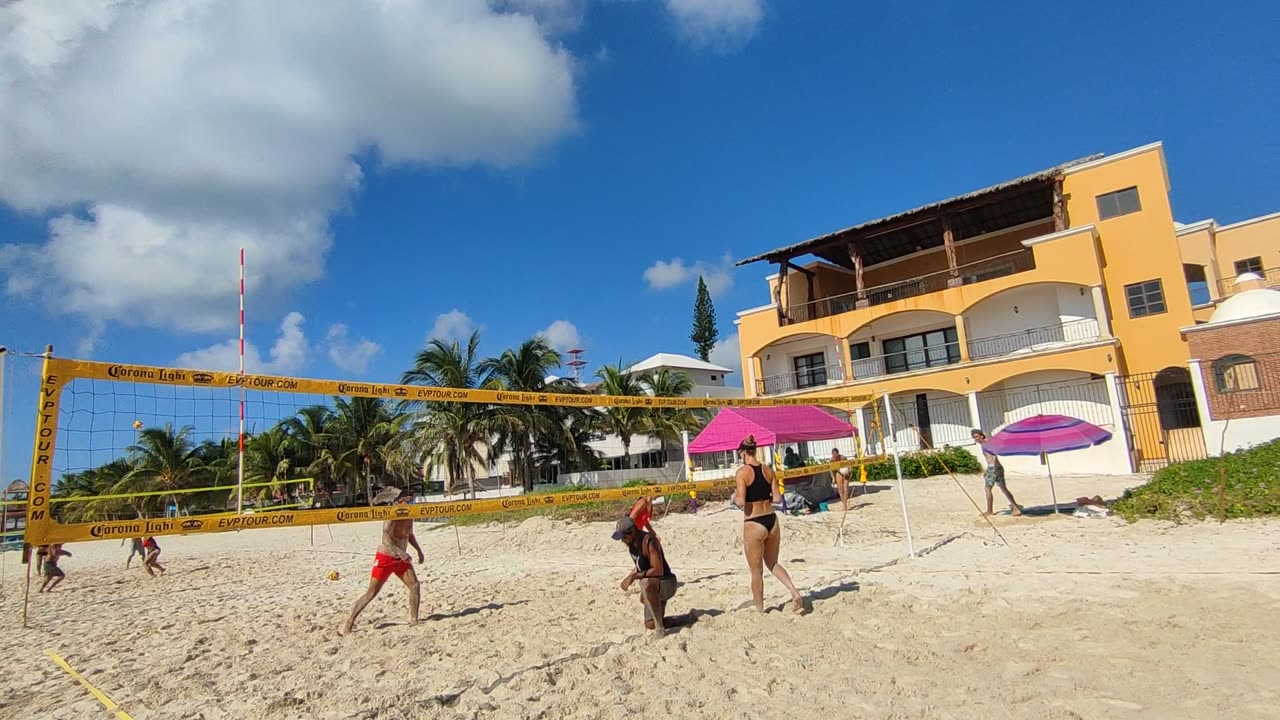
(1043,435)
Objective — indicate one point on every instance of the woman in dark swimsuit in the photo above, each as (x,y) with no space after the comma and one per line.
(761,532)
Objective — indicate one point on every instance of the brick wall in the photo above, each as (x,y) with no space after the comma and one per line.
(1258,340)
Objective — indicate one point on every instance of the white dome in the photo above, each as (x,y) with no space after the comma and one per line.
(1248,304)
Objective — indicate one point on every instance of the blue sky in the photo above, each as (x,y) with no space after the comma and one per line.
(555,166)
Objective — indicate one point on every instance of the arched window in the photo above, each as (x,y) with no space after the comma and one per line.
(1233,373)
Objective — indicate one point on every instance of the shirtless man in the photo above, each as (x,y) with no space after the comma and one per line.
(994,476)
(392,559)
(135,549)
(53,574)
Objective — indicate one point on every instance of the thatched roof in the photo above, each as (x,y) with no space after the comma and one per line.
(924,213)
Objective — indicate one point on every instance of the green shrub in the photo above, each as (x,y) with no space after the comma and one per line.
(636,483)
(1250,481)
(927,463)
(554,489)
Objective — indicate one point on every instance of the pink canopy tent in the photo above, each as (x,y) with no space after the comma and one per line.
(770,425)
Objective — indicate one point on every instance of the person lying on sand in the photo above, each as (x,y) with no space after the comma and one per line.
(392,558)
(657,581)
(151,560)
(49,555)
(994,476)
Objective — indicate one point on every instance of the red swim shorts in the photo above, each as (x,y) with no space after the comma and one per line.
(384,566)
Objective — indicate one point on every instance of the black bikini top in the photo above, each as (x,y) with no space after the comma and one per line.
(760,488)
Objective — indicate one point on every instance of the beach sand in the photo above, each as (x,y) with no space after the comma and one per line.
(1075,618)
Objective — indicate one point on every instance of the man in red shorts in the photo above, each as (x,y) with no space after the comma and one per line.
(392,558)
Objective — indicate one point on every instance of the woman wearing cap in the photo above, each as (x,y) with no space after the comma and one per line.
(761,533)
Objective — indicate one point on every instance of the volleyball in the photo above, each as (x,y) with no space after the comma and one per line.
(137,424)
(333,575)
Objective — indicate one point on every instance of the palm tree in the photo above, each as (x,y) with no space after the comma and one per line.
(668,424)
(524,427)
(360,436)
(308,431)
(87,485)
(164,459)
(625,422)
(268,457)
(570,448)
(448,435)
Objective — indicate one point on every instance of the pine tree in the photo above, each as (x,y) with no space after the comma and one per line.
(704,333)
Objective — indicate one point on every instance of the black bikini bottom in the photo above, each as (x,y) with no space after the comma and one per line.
(766,521)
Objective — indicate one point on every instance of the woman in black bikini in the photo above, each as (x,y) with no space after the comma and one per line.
(761,532)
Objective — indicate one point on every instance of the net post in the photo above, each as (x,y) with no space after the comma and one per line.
(688,460)
(240,458)
(897,467)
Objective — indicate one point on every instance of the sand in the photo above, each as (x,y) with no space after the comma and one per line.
(1075,618)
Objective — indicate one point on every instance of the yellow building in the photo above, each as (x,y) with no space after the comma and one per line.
(1062,291)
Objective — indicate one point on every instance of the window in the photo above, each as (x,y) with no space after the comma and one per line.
(928,349)
(1145,298)
(1233,373)
(1253,265)
(811,370)
(1120,202)
(859,351)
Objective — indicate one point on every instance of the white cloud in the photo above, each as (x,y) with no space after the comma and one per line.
(717,23)
(165,135)
(288,353)
(561,335)
(352,357)
(728,353)
(453,325)
(665,274)
(556,16)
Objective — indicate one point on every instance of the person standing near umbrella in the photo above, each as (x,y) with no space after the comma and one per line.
(993,476)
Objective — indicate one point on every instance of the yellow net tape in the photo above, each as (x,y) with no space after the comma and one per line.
(42,529)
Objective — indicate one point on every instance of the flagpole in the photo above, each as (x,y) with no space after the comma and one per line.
(240,464)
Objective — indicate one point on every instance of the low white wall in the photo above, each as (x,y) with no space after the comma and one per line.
(1109,458)
(1240,433)
(671,472)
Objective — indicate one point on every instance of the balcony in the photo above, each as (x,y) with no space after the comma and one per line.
(1034,339)
(804,379)
(981,271)
(931,357)
(1270,278)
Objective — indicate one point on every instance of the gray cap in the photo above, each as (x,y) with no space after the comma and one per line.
(624,526)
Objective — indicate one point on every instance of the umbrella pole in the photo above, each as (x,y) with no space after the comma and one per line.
(1053,492)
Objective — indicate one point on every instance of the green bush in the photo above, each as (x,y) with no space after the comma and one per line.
(1249,479)
(555,489)
(636,483)
(927,463)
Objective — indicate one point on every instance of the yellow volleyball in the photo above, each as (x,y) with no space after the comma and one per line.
(333,575)
(137,424)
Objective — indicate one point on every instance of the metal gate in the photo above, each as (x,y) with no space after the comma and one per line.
(1162,417)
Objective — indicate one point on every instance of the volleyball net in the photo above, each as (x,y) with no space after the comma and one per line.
(130,450)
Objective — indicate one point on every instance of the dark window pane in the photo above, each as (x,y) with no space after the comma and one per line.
(1145,298)
(1120,202)
(860,351)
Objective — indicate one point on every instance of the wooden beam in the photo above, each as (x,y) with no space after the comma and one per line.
(856,256)
(1059,206)
(949,244)
(777,296)
(783,295)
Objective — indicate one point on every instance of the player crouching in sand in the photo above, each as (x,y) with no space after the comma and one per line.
(657,583)
(392,558)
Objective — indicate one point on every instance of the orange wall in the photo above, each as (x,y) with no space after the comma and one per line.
(1260,237)
(1136,247)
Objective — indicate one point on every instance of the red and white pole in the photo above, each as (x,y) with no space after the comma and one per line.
(240,471)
